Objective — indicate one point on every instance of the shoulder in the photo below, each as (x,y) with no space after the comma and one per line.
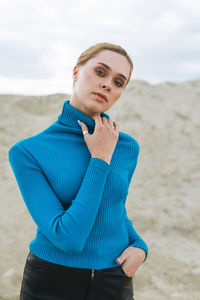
(25,143)
(36,139)
(130,141)
(29,142)
(20,149)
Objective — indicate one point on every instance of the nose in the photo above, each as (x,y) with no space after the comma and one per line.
(106,86)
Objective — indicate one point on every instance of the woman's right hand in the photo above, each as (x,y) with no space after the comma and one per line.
(102,142)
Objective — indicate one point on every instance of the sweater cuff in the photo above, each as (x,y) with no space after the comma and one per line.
(142,245)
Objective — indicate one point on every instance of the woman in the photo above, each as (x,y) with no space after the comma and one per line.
(74,180)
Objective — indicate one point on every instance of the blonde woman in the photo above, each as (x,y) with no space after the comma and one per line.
(74,178)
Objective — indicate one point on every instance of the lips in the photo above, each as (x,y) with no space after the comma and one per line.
(101,95)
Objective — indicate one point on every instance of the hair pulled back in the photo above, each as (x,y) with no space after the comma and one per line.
(93,50)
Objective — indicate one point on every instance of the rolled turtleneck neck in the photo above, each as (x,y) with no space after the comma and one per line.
(70,116)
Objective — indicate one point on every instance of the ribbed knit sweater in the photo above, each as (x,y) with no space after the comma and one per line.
(77,201)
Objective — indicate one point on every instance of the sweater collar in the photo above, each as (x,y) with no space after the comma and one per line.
(70,115)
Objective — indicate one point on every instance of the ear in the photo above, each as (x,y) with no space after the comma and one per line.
(75,72)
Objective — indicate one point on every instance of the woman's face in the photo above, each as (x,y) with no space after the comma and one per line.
(107,74)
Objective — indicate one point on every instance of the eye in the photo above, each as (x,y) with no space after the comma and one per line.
(118,83)
(100,72)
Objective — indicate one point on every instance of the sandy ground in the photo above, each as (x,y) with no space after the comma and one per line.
(163,200)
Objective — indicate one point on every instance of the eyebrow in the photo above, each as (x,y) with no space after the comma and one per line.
(106,66)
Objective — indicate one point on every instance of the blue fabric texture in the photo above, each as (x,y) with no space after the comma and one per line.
(76,201)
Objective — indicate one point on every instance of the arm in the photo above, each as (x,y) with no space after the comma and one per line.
(134,239)
(66,229)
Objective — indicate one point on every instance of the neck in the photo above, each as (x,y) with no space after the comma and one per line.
(70,116)
(83,108)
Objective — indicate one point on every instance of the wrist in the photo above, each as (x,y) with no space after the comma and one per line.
(101,157)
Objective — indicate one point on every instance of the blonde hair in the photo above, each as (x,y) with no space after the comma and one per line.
(93,50)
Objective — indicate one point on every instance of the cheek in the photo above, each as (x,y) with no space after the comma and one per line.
(89,77)
(83,80)
(86,84)
(117,93)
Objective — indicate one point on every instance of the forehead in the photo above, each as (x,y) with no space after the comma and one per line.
(117,62)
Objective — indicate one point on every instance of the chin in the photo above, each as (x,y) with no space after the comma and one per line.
(94,107)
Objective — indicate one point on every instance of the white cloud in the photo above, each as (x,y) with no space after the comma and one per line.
(41,40)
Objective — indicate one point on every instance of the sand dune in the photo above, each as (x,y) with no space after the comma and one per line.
(163,200)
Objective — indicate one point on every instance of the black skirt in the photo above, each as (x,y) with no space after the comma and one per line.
(43,280)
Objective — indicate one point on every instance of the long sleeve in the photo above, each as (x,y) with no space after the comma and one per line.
(134,239)
(66,229)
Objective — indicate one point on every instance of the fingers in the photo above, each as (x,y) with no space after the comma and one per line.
(107,122)
(117,127)
(111,123)
(98,120)
(114,125)
(84,128)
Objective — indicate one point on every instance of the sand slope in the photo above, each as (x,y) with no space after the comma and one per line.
(163,200)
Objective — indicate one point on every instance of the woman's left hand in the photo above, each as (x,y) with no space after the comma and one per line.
(131,258)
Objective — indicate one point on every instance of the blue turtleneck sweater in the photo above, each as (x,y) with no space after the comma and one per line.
(76,201)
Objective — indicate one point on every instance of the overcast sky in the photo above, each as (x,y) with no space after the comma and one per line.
(40,40)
